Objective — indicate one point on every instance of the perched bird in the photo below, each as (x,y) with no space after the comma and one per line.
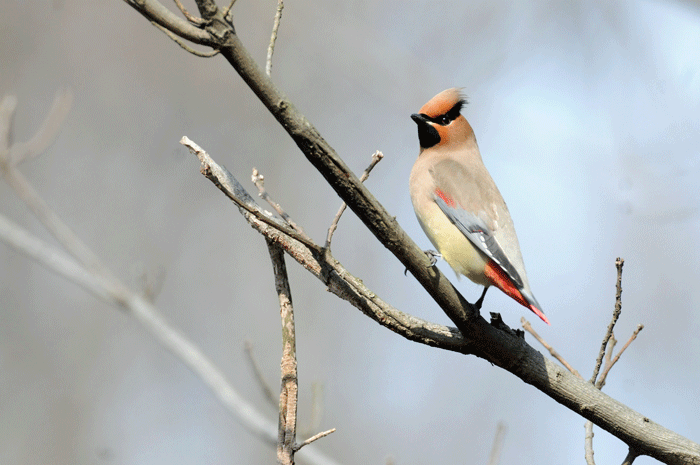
(459,206)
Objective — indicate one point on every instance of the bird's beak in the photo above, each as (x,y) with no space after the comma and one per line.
(428,136)
(419,118)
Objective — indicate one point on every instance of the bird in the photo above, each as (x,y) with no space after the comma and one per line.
(459,206)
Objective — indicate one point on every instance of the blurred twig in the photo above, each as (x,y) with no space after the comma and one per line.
(498,439)
(86,270)
(528,327)
(273,37)
(267,391)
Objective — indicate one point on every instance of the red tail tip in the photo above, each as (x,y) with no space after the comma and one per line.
(539,313)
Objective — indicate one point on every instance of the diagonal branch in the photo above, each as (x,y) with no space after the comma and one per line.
(47,133)
(183,45)
(326,268)
(552,351)
(159,14)
(376,158)
(608,365)
(259,181)
(199,22)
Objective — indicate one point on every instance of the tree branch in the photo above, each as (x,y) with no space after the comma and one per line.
(313,438)
(287,425)
(324,266)
(259,181)
(619,263)
(376,158)
(528,327)
(159,14)
(273,37)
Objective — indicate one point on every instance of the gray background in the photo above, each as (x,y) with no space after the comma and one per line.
(586,114)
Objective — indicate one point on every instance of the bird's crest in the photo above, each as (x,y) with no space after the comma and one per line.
(444,102)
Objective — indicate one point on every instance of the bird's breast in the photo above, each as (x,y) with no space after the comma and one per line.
(454,246)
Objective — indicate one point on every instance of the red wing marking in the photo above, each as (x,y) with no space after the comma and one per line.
(447,199)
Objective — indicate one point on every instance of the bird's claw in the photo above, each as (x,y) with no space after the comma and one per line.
(433,256)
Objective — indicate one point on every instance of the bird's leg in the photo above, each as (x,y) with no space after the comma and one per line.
(433,255)
(481,299)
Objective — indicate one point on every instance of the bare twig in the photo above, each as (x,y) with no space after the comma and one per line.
(154,11)
(619,263)
(273,37)
(314,438)
(609,343)
(267,392)
(287,427)
(197,21)
(26,191)
(47,133)
(259,181)
(184,46)
(227,10)
(631,455)
(316,409)
(588,443)
(528,327)
(495,456)
(608,365)
(376,158)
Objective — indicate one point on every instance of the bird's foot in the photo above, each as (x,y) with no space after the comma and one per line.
(433,256)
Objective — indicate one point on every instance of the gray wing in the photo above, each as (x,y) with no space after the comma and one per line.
(481,237)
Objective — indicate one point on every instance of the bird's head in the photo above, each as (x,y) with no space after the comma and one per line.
(440,123)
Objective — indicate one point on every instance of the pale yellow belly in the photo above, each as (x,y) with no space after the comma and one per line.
(455,248)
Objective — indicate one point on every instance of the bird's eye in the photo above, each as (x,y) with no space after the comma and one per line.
(445,120)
